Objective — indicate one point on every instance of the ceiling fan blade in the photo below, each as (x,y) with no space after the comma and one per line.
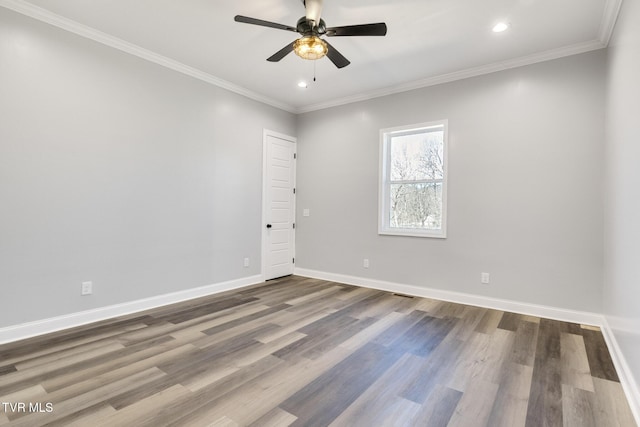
(336,57)
(260,22)
(281,53)
(314,10)
(378,29)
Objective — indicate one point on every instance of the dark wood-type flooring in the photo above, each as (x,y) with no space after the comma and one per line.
(305,352)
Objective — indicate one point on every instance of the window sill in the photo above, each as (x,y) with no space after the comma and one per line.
(414,233)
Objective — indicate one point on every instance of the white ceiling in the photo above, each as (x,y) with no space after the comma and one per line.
(428,41)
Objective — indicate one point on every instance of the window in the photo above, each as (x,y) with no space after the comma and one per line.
(413,180)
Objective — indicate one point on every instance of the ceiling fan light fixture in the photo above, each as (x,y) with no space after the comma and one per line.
(310,47)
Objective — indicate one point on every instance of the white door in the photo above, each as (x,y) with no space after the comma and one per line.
(279,205)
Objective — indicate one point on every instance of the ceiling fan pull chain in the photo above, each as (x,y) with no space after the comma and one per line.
(314,71)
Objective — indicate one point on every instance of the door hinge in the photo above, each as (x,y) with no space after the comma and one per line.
(293,260)
(295,156)
(294,225)
(294,190)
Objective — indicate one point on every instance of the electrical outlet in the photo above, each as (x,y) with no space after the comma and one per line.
(365,263)
(87,288)
(306,212)
(246,262)
(484,278)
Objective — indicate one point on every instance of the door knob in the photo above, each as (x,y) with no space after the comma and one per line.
(268,225)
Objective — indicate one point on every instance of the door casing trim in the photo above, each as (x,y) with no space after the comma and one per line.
(263,256)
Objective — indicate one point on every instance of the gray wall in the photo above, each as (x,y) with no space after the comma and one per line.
(145,181)
(525,186)
(119,171)
(622,225)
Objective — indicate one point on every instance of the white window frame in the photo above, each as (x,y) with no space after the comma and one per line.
(384,185)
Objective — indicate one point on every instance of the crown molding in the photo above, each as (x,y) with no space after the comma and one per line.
(36,12)
(609,18)
(460,75)
(607,25)
(610,15)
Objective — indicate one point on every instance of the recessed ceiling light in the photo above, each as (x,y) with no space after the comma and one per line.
(500,27)
(302,85)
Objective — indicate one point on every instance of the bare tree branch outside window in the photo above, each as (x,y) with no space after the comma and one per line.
(416,179)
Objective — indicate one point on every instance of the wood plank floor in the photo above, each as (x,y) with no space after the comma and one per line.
(305,352)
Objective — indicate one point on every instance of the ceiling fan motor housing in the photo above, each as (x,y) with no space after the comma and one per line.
(307,28)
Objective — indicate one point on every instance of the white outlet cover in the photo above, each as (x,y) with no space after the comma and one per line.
(87,288)
(306,212)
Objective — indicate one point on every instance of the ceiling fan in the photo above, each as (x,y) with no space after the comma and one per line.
(311,27)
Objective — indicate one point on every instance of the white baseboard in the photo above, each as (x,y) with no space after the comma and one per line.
(627,380)
(630,386)
(582,317)
(45,326)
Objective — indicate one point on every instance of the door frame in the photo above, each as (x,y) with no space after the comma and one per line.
(265,134)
